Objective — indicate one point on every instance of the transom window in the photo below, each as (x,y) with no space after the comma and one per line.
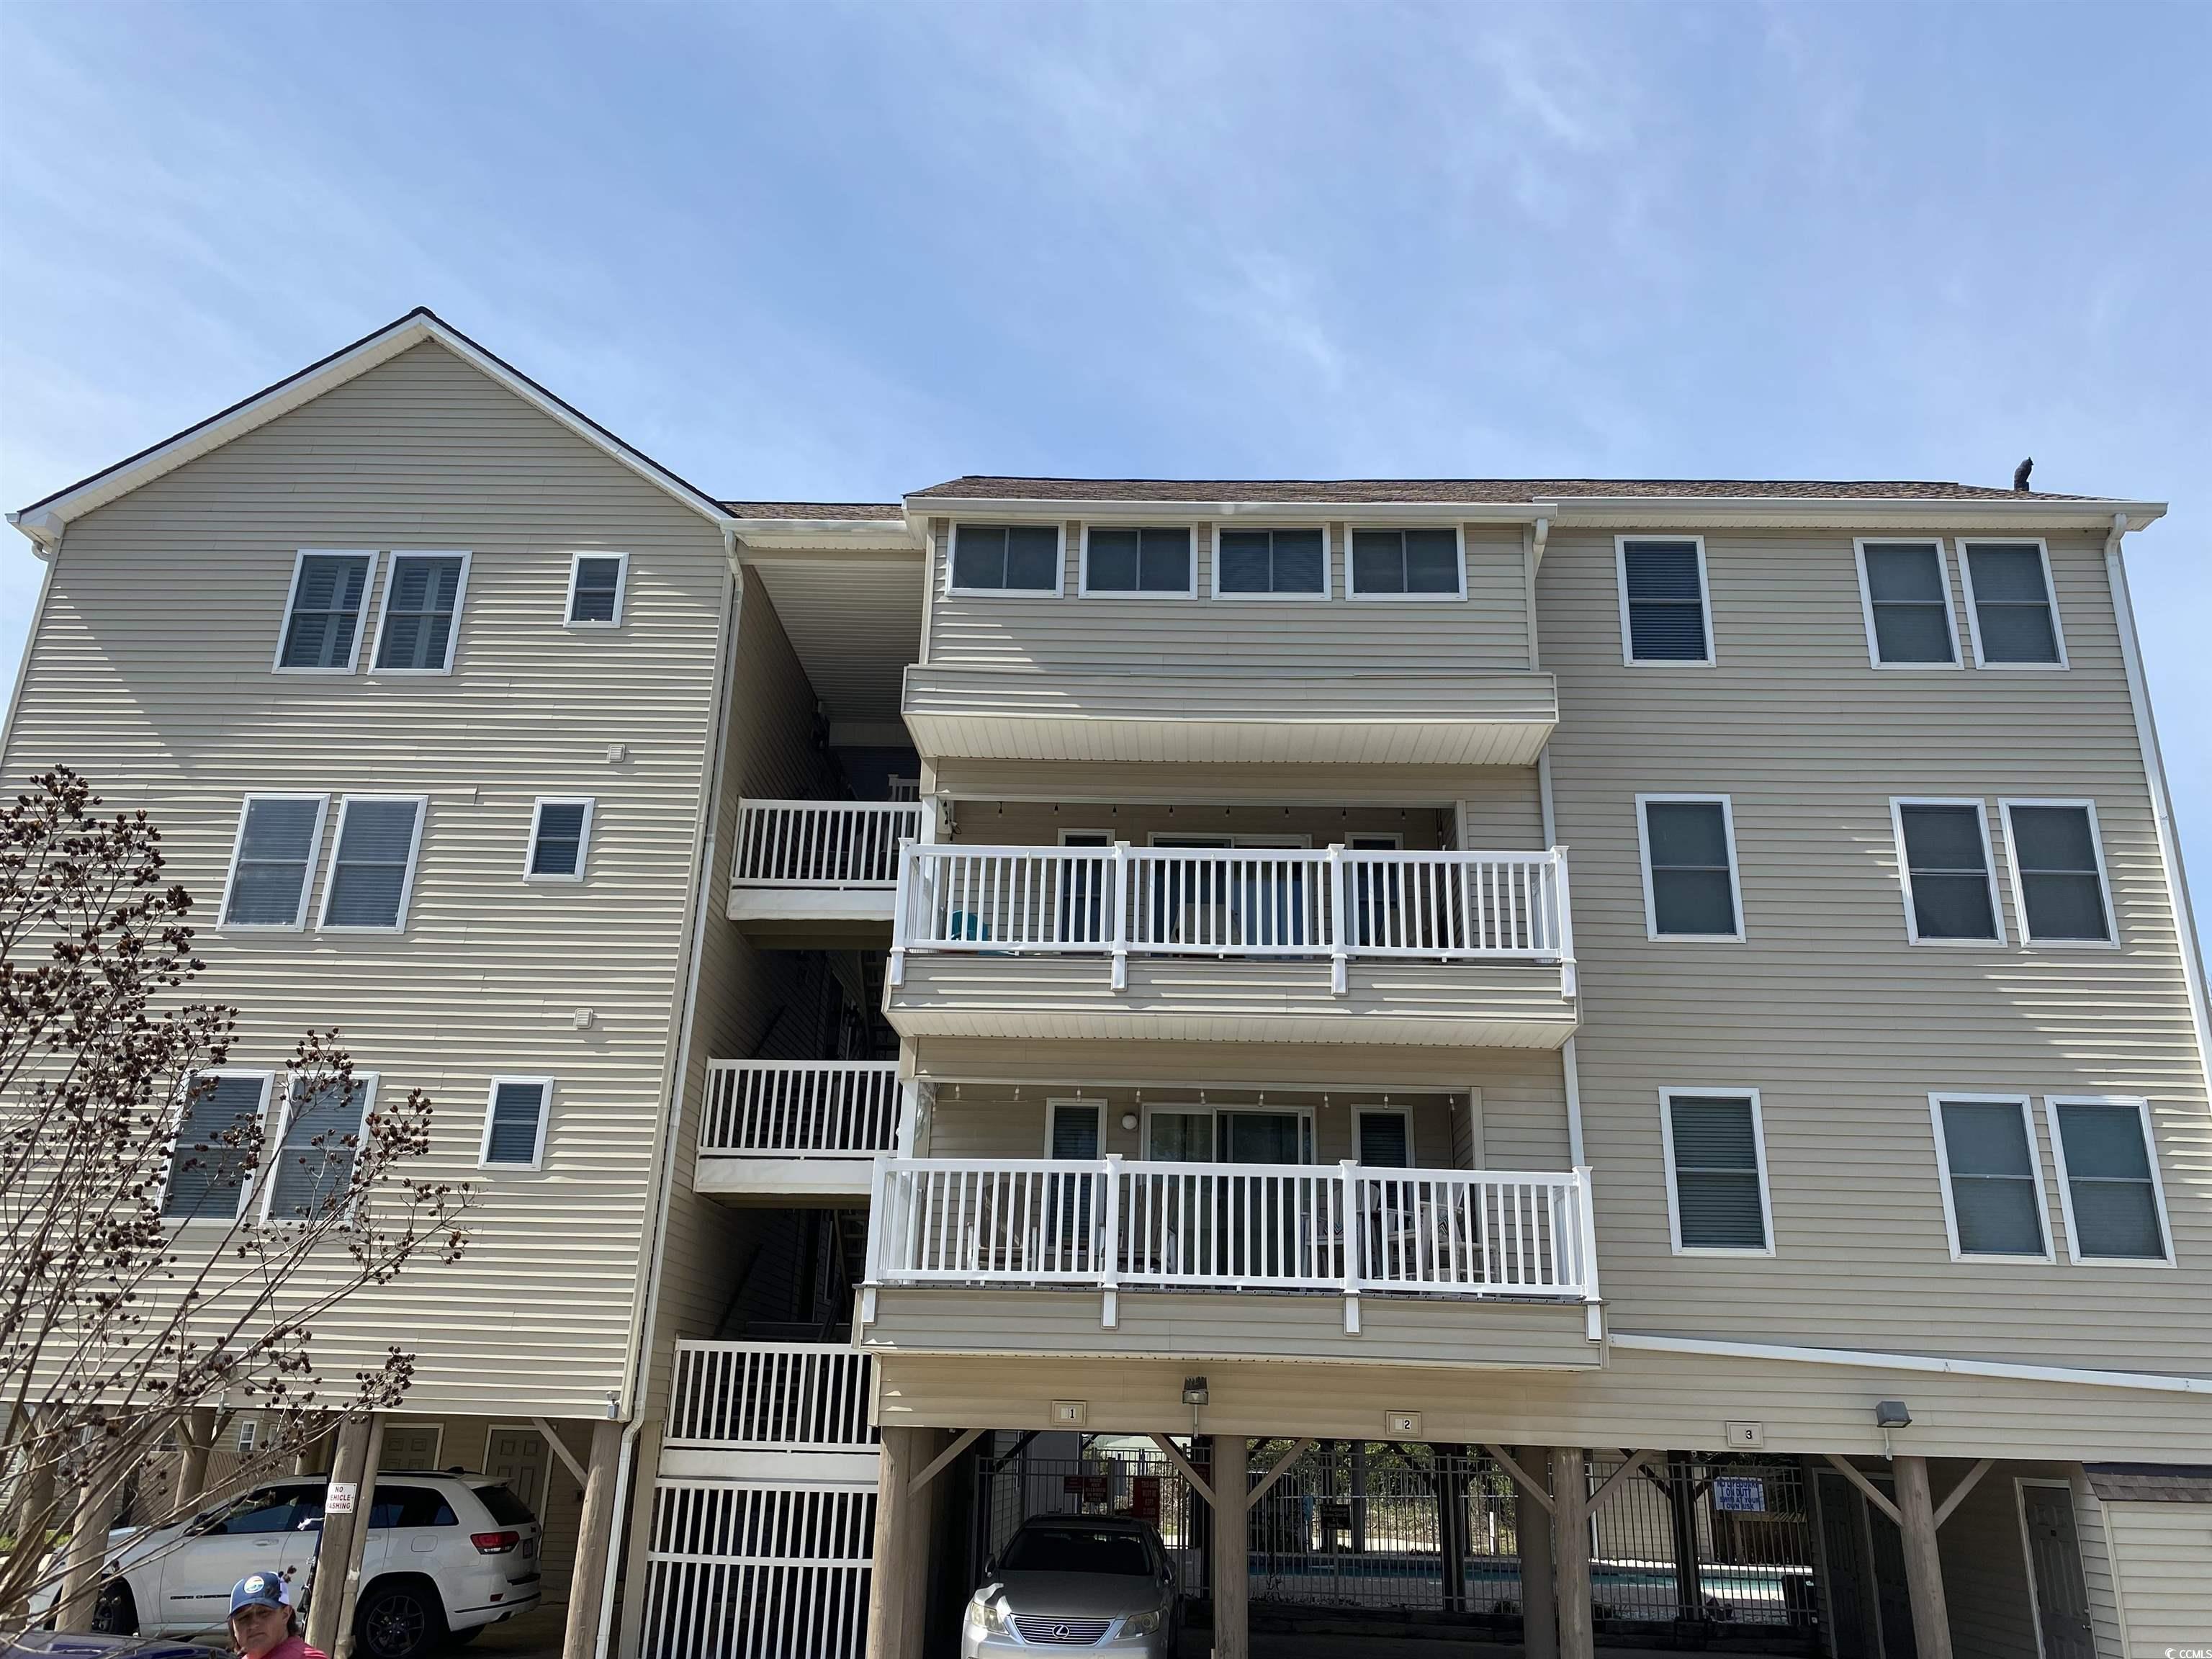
(1663,609)
(1006,558)
(1400,563)
(596,586)
(1255,563)
(2114,1201)
(1716,1172)
(422,596)
(322,619)
(2015,621)
(2059,871)
(1689,867)
(515,1122)
(212,1160)
(1992,1194)
(372,871)
(278,837)
(1908,604)
(314,1161)
(1950,895)
(560,837)
(1141,559)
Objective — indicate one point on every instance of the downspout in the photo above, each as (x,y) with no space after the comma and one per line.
(2169,837)
(1569,1076)
(617,1523)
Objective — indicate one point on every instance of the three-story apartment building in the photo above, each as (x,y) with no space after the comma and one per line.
(1588,1058)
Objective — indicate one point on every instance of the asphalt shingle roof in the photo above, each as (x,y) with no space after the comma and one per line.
(976,487)
(814,509)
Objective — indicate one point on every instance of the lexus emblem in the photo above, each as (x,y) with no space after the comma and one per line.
(1060,1632)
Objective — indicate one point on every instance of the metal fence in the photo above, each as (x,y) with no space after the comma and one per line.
(766,1573)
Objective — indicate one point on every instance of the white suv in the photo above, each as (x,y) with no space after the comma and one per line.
(447,1554)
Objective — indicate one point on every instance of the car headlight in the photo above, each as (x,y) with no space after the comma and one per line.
(1141,1624)
(986,1617)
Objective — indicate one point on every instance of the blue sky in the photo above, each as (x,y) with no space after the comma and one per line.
(845,252)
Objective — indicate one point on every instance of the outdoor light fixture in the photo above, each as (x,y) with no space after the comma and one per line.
(1891,1414)
(1193,1391)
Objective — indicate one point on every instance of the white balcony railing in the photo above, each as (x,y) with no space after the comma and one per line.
(1351,1229)
(822,844)
(799,1109)
(1334,903)
(771,1396)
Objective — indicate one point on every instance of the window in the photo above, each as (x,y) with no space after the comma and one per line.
(422,596)
(2108,1180)
(559,838)
(372,871)
(314,1164)
(1397,564)
(1992,1192)
(597,584)
(2059,871)
(212,1160)
(322,616)
(1385,1135)
(1716,1172)
(278,838)
(1906,592)
(1074,1133)
(249,1429)
(1950,891)
(2010,609)
(1253,564)
(1663,604)
(267,1510)
(1179,1134)
(1006,558)
(1689,866)
(515,1122)
(1137,562)
(409,1506)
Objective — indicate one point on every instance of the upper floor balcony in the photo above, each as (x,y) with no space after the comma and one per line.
(787,1131)
(1233,944)
(812,874)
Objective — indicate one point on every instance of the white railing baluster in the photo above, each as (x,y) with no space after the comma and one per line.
(799,1109)
(785,1396)
(822,844)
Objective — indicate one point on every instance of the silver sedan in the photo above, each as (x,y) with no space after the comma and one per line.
(1099,1583)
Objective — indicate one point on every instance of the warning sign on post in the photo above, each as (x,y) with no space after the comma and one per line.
(338,1500)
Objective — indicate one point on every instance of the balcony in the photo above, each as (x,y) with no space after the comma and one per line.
(814,874)
(1292,944)
(1117,1258)
(770,1413)
(788,1132)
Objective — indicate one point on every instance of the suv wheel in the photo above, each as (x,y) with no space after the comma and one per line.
(400,1619)
(116,1613)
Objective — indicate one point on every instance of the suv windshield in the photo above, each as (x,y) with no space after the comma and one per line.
(505,1508)
(1065,1549)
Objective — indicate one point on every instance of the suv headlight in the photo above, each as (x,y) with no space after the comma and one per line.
(1141,1624)
(986,1617)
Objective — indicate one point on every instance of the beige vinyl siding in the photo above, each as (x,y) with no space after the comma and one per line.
(151,673)
(1485,632)
(2097,1577)
(1033,823)
(1842,1025)
(1986,1569)
(1071,783)
(2164,1553)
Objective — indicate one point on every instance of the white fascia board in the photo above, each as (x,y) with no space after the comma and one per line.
(817,537)
(921,509)
(2148,1382)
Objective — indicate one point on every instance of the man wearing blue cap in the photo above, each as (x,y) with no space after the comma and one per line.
(262,1622)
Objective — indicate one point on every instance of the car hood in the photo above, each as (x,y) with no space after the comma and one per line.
(1079,1594)
(54,1644)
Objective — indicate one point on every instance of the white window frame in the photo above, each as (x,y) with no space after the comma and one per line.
(590,804)
(1227,841)
(1628,657)
(2019,882)
(1897,806)
(1351,567)
(1052,1106)
(1974,615)
(384,610)
(292,594)
(1859,545)
(544,1117)
(1177,1108)
(249,1189)
(1413,1157)
(1308,1130)
(1213,590)
(322,922)
(1058,588)
(365,1085)
(1936,1102)
(1085,589)
(576,569)
(1666,1097)
(1736,875)
(2051,1105)
(248,1436)
(299,922)
(1078,829)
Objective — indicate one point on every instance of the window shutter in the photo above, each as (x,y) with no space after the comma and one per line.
(213,1158)
(1717,1173)
(516,1110)
(418,611)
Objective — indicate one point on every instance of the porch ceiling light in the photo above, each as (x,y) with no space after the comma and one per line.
(1892,1415)
(1193,1391)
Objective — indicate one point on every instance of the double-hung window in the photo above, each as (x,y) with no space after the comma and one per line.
(1144,562)
(1906,593)
(1006,558)
(560,840)
(1666,614)
(598,584)
(1716,1202)
(272,861)
(1385,1135)
(421,599)
(1992,1185)
(2009,606)
(2108,1179)
(314,1162)
(212,1160)
(1271,564)
(322,615)
(373,869)
(1407,564)
(515,1123)
(1950,887)
(2058,872)
(1690,888)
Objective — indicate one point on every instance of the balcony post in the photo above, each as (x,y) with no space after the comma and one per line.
(901,898)
(909,1119)
(1565,922)
(1120,936)
(879,1220)
(1110,1267)
(1339,929)
(1353,1226)
(1586,1242)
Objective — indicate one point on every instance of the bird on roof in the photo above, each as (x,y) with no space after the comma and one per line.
(2020,473)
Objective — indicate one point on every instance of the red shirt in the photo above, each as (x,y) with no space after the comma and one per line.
(296,1647)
